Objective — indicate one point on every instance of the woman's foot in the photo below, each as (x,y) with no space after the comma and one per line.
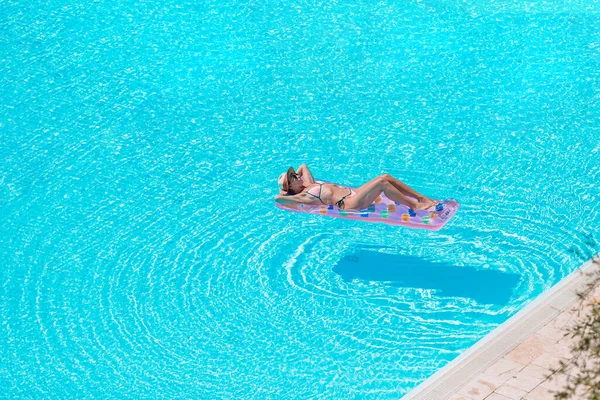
(425,205)
(423,199)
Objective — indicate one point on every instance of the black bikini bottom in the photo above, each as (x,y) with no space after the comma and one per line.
(340,202)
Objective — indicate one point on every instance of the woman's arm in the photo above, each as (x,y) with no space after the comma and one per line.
(300,198)
(304,172)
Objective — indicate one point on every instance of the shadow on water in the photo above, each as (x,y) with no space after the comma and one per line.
(484,286)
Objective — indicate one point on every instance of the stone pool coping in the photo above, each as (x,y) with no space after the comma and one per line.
(510,350)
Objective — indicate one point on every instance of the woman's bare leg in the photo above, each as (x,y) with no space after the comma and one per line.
(367,193)
(405,189)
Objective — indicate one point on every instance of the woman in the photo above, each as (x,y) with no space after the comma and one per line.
(293,190)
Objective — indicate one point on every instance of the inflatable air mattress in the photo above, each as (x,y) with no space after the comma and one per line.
(386,211)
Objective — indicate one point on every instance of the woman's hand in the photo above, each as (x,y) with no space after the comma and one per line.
(304,172)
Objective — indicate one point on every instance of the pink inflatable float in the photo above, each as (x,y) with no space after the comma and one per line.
(386,211)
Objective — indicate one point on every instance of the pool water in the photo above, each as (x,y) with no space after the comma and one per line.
(143,257)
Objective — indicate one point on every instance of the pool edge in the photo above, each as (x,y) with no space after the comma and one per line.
(460,371)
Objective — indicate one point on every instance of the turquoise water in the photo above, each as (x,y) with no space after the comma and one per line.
(142,255)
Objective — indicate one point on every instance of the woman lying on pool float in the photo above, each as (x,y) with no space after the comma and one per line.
(293,190)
